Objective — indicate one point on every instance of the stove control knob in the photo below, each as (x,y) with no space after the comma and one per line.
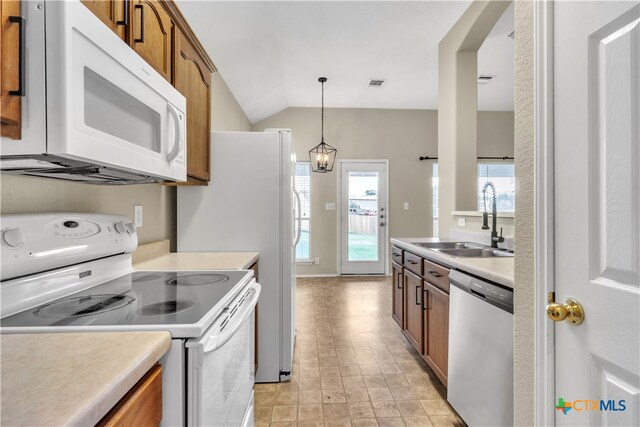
(120,227)
(131,229)
(13,238)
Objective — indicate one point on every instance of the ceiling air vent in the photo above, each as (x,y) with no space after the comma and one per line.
(376,82)
(484,79)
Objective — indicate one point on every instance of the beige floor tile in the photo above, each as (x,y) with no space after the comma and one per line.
(289,385)
(265,387)
(310,423)
(385,409)
(284,413)
(417,379)
(356,394)
(389,368)
(390,422)
(329,371)
(283,424)
(364,422)
(335,410)
(309,383)
(311,362)
(353,382)
(417,422)
(436,407)
(379,394)
(445,421)
(327,351)
(333,396)
(309,372)
(351,370)
(337,423)
(372,381)
(310,412)
(309,396)
(263,398)
(286,397)
(328,361)
(331,383)
(411,408)
(360,410)
(403,393)
(262,414)
(426,392)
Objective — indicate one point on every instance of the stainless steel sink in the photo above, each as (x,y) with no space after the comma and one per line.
(476,252)
(447,245)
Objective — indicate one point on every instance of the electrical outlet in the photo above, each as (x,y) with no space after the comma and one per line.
(330,206)
(137,215)
(317,261)
(462,222)
(406,206)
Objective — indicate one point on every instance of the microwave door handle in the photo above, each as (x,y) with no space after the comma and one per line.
(177,141)
(236,321)
(299,217)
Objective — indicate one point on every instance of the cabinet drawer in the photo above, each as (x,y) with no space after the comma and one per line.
(396,255)
(436,275)
(413,262)
(141,406)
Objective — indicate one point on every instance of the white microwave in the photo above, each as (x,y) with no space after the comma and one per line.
(92,109)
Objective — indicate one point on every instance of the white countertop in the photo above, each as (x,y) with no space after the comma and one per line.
(72,379)
(199,261)
(495,269)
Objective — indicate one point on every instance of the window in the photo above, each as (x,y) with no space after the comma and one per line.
(502,175)
(303,186)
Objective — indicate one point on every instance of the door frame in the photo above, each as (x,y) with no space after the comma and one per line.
(385,245)
(544,253)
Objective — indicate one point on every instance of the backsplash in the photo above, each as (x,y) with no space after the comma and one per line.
(482,237)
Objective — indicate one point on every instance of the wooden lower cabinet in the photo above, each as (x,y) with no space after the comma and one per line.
(413,317)
(436,330)
(193,80)
(141,406)
(398,294)
(11,109)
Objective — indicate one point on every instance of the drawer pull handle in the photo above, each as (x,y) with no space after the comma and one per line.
(418,302)
(125,22)
(21,53)
(399,280)
(424,296)
(434,273)
(412,262)
(141,39)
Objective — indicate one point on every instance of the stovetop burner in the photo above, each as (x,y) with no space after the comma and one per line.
(86,305)
(198,279)
(165,307)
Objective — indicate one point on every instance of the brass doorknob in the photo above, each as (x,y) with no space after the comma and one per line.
(570,310)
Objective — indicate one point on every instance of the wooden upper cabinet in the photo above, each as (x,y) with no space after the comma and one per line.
(151,32)
(193,79)
(11,99)
(113,13)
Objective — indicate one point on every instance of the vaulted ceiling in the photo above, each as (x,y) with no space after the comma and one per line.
(270,53)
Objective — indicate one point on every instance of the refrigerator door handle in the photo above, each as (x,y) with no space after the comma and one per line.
(297,240)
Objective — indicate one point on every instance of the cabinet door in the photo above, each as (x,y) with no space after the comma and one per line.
(11,110)
(413,308)
(398,294)
(193,80)
(151,34)
(112,12)
(436,331)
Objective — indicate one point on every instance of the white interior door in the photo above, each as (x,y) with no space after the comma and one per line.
(597,211)
(363,217)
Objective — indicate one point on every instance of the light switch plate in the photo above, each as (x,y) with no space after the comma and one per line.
(330,206)
(462,222)
(137,215)
(406,206)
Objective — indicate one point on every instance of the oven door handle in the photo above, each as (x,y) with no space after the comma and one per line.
(177,141)
(236,321)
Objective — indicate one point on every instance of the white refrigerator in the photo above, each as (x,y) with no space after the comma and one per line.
(249,206)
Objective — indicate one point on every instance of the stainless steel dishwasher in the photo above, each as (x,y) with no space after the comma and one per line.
(480,379)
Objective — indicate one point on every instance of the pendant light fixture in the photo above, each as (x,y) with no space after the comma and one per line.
(322,156)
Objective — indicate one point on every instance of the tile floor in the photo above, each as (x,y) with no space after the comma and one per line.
(352,365)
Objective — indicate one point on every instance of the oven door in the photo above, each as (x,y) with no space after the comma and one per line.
(105,104)
(220,372)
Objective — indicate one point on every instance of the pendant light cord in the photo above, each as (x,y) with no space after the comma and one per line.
(322,120)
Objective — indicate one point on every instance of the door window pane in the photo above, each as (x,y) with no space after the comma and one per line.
(303,187)
(362,244)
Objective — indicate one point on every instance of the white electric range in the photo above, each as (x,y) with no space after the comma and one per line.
(73,273)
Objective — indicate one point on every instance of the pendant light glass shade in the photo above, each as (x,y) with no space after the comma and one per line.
(322,156)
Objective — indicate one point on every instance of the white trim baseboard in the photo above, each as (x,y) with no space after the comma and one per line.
(544,386)
(303,276)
